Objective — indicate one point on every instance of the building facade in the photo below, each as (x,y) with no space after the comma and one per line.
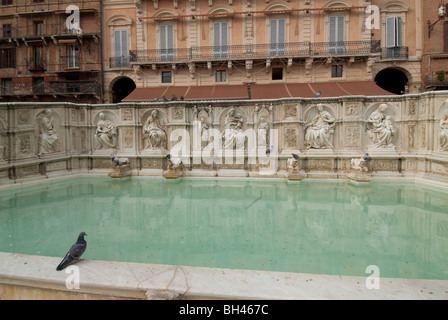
(214,42)
(45,55)
(435,55)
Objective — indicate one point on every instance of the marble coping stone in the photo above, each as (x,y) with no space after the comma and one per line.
(153,281)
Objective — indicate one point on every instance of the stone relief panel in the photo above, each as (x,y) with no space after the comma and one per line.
(380,128)
(290,111)
(352,136)
(48,132)
(443,127)
(263,116)
(233,124)
(127,114)
(127,138)
(24,118)
(154,130)
(106,132)
(319,128)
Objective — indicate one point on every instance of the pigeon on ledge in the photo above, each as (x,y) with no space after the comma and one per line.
(318,94)
(75,252)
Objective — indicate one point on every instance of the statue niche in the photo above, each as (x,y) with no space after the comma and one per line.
(319,131)
(154,134)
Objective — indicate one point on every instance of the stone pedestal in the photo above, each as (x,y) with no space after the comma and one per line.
(359,176)
(120,172)
(293,176)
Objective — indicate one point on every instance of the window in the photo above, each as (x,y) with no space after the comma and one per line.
(220,76)
(73,85)
(336,71)
(121,52)
(38,1)
(393,37)
(8,58)
(220,40)
(6,2)
(7,30)
(39,28)
(72,56)
(277,73)
(38,85)
(166,42)
(6,86)
(277,32)
(166,76)
(336,35)
(38,58)
(445,36)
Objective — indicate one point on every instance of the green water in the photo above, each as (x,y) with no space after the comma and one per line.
(311,227)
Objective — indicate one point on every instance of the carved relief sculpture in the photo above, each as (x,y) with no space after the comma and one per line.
(48,138)
(233,136)
(106,133)
(380,129)
(444,132)
(205,134)
(154,135)
(263,133)
(319,132)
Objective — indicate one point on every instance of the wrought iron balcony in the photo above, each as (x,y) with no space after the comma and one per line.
(256,51)
(57,87)
(119,62)
(36,65)
(395,53)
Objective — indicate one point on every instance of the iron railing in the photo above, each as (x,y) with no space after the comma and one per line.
(254,51)
(56,87)
(119,62)
(395,53)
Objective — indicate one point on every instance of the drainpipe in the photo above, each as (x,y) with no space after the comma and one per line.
(101,50)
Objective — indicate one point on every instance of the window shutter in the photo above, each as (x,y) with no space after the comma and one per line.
(390,32)
(167,42)
(340,29)
(124,43)
(445,35)
(274,32)
(332,31)
(398,36)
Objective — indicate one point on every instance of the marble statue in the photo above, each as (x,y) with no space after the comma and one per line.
(380,128)
(263,132)
(360,164)
(155,136)
(443,139)
(292,170)
(319,132)
(205,134)
(233,134)
(106,134)
(48,138)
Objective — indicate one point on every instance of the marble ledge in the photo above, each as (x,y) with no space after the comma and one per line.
(152,281)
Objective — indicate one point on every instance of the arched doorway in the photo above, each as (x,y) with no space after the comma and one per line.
(122,88)
(392,80)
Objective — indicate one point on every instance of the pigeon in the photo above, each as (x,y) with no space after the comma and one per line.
(75,252)
(165,99)
(174,98)
(156,100)
(295,156)
(366,157)
(318,94)
(182,98)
